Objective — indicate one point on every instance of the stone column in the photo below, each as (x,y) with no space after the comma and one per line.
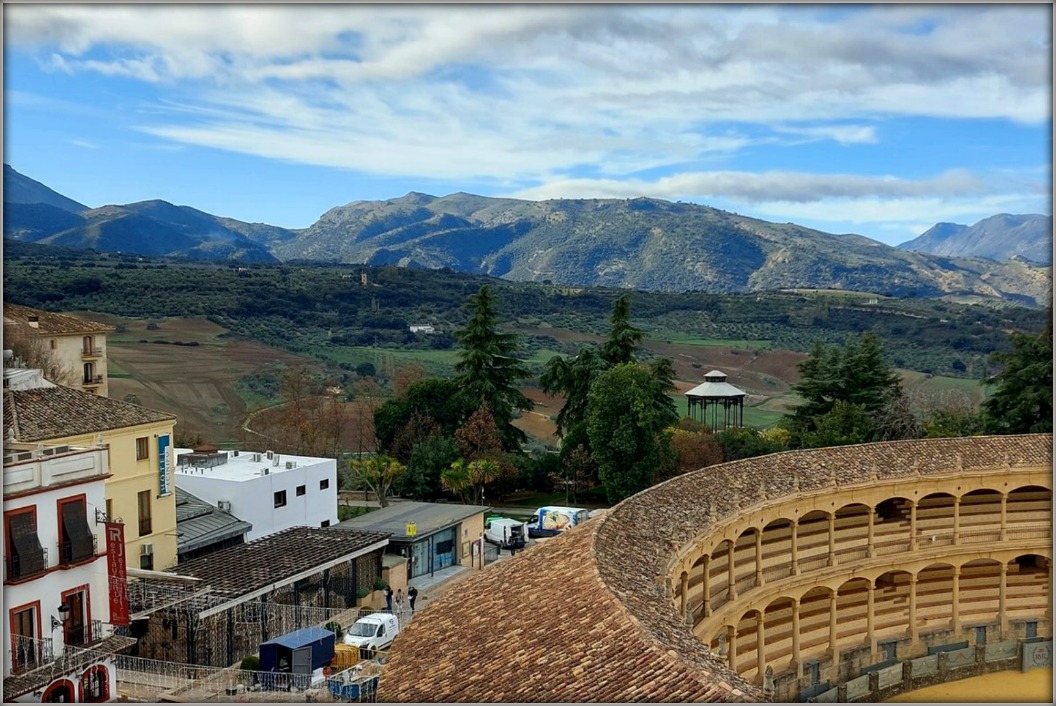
(833,650)
(870,618)
(760,646)
(795,638)
(1004,516)
(731,642)
(759,558)
(913,525)
(706,587)
(685,594)
(832,539)
(913,636)
(872,522)
(731,570)
(1001,604)
(957,520)
(956,596)
(795,546)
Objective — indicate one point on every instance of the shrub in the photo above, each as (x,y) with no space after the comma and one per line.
(335,627)
(251,663)
(379,585)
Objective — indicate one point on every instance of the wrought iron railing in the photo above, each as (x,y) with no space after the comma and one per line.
(25,565)
(71,554)
(91,352)
(84,634)
(29,653)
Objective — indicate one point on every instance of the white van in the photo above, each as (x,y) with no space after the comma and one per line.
(505,532)
(372,633)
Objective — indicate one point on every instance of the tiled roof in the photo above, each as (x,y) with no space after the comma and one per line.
(72,663)
(55,412)
(583,616)
(49,322)
(199,524)
(249,567)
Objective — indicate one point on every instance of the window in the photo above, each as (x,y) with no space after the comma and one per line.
(89,373)
(75,628)
(142,448)
(145,527)
(23,557)
(86,344)
(76,540)
(54,344)
(326,523)
(280,498)
(300,490)
(324,484)
(146,561)
(26,650)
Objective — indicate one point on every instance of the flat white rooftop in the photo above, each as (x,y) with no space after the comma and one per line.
(242,467)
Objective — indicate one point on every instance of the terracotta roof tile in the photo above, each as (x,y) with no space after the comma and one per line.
(583,616)
(54,412)
(51,322)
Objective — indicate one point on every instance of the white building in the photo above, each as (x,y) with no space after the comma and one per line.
(271,491)
(56,582)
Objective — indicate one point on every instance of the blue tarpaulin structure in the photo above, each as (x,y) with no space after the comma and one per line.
(278,655)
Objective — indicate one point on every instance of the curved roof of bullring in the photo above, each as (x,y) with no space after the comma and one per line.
(583,617)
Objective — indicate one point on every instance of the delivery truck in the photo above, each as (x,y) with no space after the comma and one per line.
(552,520)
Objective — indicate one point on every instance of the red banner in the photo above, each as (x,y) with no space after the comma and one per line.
(115,565)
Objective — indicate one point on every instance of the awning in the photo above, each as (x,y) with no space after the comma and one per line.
(29,555)
(78,533)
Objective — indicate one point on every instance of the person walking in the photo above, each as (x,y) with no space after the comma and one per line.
(412,594)
(388,598)
(399,600)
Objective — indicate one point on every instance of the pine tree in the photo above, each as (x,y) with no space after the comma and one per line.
(1023,400)
(486,371)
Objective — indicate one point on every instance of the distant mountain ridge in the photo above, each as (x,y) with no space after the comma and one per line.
(640,243)
(999,237)
(147,228)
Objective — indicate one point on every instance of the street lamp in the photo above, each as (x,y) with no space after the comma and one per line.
(64,614)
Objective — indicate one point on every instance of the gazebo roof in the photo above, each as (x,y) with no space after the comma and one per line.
(715,385)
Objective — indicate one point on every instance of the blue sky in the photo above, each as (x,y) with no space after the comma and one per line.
(877,120)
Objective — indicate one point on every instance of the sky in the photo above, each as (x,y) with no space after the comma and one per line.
(877,120)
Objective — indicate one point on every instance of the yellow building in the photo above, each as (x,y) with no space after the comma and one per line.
(141,491)
(75,349)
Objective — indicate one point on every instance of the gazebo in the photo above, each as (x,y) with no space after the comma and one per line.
(714,393)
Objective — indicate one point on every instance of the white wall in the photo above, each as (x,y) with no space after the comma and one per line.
(48,588)
(253,498)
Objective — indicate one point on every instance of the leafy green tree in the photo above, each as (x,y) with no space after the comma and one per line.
(623,338)
(747,443)
(855,375)
(437,399)
(378,473)
(572,378)
(625,428)
(845,423)
(1022,402)
(468,479)
(487,372)
(428,461)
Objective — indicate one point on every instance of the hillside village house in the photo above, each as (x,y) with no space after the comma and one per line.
(56,594)
(76,346)
(271,491)
(139,490)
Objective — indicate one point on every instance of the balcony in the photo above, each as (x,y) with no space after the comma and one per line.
(29,653)
(84,635)
(92,381)
(25,565)
(87,353)
(71,553)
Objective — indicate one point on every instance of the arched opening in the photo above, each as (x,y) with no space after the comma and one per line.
(980,587)
(87,345)
(1027,592)
(934,594)
(891,605)
(980,516)
(777,550)
(718,574)
(813,541)
(60,691)
(851,533)
(814,625)
(935,520)
(891,526)
(95,684)
(1029,513)
(852,626)
(744,560)
(779,642)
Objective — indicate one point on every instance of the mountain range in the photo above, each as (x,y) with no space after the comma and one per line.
(998,237)
(641,243)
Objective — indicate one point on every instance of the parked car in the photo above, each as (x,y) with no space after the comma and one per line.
(551,520)
(505,532)
(372,633)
